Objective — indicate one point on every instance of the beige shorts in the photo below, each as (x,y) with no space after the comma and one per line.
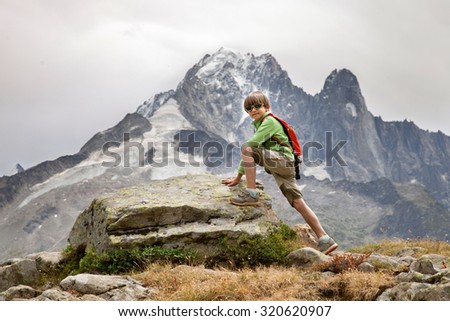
(282,169)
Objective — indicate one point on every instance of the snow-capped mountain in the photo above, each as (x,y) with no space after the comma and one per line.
(199,126)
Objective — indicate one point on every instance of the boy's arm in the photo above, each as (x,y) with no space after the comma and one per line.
(266,130)
(263,134)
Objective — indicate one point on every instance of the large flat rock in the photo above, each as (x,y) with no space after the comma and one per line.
(190,212)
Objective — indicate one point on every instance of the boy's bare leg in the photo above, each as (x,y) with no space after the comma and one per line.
(309,216)
(249,167)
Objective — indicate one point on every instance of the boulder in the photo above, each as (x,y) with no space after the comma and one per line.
(421,283)
(440,292)
(21,292)
(28,270)
(106,287)
(189,212)
(429,263)
(55,295)
(46,262)
(18,271)
(306,257)
(306,235)
(390,263)
(424,266)
(405,291)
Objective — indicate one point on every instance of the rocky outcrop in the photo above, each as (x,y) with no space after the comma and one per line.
(106,287)
(84,287)
(28,271)
(190,212)
(306,258)
(23,279)
(424,279)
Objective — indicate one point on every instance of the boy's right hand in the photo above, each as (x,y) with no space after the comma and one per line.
(231,181)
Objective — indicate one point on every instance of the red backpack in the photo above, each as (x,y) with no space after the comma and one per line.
(294,144)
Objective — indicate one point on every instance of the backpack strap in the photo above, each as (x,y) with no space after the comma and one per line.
(297,160)
(288,145)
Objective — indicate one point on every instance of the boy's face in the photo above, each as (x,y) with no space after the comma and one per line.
(256,111)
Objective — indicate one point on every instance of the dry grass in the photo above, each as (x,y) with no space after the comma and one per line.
(355,286)
(185,283)
(390,247)
(277,283)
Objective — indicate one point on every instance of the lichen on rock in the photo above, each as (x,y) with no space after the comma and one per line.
(188,212)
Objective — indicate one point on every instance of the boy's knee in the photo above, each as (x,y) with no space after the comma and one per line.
(297,202)
(291,193)
(247,150)
(254,152)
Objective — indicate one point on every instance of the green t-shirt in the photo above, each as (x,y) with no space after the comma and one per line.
(266,129)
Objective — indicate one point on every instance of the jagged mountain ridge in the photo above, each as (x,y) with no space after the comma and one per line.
(39,206)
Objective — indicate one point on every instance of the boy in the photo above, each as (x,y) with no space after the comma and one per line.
(269,148)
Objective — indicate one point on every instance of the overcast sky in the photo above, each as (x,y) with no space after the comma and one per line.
(69,69)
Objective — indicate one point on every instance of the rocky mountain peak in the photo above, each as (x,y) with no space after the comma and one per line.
(341,78)
(341,82)
(214,89)
(150,106)
(212,63)
(227,65)
(17,169)
(342,88)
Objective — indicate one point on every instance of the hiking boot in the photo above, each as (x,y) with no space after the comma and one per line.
(244,199)
(327,246)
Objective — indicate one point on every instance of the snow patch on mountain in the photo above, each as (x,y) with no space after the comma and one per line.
(167,120)
(167,162)
(318,172)
(351,109)
(243,117)
(213,70)
(87,169)
(215,63)
(150,106)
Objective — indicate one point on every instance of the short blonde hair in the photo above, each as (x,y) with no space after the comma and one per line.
(255,98)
